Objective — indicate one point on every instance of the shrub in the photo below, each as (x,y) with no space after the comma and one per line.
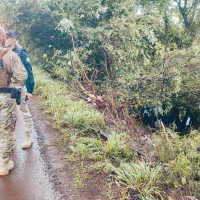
(139,179)
(87,148)
(65,111)
(181,158)
(167,145)
(116,146)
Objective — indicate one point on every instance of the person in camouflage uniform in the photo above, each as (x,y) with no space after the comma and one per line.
(18,76)
(11,42)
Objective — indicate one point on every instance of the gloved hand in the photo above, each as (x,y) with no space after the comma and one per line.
(28,96)
(16,94)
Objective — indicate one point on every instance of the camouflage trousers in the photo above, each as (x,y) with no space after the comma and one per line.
(26,115)
(7,124)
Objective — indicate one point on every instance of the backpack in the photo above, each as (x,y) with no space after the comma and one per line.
(5,74)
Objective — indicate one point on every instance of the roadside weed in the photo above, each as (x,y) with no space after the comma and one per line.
(181,158)
(67,113)
(116,147)
(87,148)
(139,179)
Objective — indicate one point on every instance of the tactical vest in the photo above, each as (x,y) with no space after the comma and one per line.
(5,74)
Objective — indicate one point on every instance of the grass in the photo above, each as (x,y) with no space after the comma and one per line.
(87,148)
(95,149)
(178,158)
(80,171)
(139,180)
(117,148)
(67,113)
(181,159)
(81,116)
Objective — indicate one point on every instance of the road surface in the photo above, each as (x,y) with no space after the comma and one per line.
(28,180)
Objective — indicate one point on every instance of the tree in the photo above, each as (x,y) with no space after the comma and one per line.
(112,48)
(188,9)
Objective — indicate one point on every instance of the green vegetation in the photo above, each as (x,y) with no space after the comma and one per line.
(133,51)
(87,148)
(115,148)
(130,53)
(140,179)
(177,158)
(181,158)
(66,112)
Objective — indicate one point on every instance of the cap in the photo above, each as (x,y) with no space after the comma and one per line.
(11,34)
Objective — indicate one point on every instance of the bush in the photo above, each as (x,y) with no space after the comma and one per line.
(167,145)
(181,158)
(87,148)
(66,112)
(139,180)
(116,147)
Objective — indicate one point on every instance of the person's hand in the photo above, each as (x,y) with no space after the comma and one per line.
(29,96)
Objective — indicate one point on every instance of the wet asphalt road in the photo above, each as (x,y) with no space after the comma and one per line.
(28,180)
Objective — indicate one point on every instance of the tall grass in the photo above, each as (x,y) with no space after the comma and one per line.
(139,180)
(87,148)
(66,112)
(181,158)
(114,149)
(178,157)
(117,147)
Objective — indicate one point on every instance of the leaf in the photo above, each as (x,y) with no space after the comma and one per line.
(176,184)
(183,180)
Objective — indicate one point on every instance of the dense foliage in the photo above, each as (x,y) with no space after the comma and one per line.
(138,52)
(141,52)
(173,161)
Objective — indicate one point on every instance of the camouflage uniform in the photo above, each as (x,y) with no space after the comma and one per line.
(8,105)
(23,108)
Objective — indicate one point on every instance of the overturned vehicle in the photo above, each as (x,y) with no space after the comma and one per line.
(181,119)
